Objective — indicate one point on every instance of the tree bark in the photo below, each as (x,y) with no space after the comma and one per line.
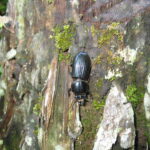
(37,110)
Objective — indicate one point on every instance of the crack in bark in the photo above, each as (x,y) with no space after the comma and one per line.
(5,124)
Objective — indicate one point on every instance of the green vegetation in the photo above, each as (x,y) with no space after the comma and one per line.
(111,33)
(1,25)
(37,106)
(108,35)
(134,94)
(113,59)
(36,130)
(108,57)
(112,78)
(147,131)
(98,59)
(90,119)
(106,38)
(12,141)
(63,37)
(1,70)
(50,1)
(3,5)
(2,83)
(64,56)
(99,83)
(97,104)
(94,31)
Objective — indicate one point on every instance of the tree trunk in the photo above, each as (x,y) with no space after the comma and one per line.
(38,41)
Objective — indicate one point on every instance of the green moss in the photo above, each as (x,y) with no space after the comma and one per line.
(64,57)
(114,60)
(50,1)
(36,130)
(112,78)
(99,83)
(98,104)
(106,36)
(142,126)
(111,33)
(97,60)
(148,131)
(134,94)
(12,141)
(1,25)
(1,142)
(2,83)
(3,6)
(37,106)
(108,57)
(94,31)
(91,115)
(63,37)
(90,118)
(1,70)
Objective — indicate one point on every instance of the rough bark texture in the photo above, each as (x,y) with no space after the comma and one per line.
(118,121)
(36,110)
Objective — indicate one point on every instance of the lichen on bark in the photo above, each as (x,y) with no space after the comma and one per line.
(27,56)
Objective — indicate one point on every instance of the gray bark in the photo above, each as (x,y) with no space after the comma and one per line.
(36,110)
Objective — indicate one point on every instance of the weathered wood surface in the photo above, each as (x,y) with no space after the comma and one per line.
(34,72)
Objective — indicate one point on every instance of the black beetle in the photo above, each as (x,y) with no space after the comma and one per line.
(81,68)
